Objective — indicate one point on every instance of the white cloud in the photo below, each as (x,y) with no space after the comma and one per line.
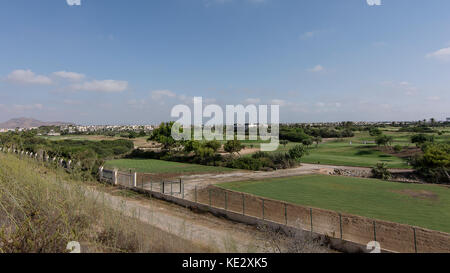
(434,98)
(317,68)
(73,2)
(69,75)
(441,54)
(159,94)
(373,2)
(408,88)
(320,104)
(106,86)
(278,102)
(28,77)
(252,101)
(25,107)
(71,102)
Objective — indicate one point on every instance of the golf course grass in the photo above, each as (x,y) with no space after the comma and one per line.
(358,155)
(421,205)
(160,166)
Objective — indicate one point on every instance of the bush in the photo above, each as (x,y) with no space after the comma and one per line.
(297,152)
(421,139)
(398,148)
(381,171)
(434,164)
(246,163)
(384,140)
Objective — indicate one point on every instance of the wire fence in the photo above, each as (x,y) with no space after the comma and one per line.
(361,230)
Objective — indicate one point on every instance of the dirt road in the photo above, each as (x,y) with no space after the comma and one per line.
(204,229)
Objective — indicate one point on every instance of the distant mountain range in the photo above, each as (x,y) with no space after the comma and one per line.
(29,123)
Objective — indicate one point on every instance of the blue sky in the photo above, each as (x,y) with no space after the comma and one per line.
(117,61)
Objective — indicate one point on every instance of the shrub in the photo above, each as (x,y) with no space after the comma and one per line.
(434,164)
(246,163)
(297,152)
(398,148)
(384,140)
(381,171)
(420,139)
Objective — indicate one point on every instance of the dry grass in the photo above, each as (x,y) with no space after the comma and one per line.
(42,209)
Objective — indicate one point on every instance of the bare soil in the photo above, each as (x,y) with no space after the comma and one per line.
(422,194)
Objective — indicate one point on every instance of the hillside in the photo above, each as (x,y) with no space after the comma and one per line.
(28,123)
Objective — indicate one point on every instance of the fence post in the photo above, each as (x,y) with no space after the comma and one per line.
(226,200)
(115,177)
(263,209)
(182,189)
(171,188)
(285,213)
(135,180)
(100,173)
(162,187)
(196,194)
(209,191)
(340,224)
(415,240)
(374,231)
(243,204)
(310,215)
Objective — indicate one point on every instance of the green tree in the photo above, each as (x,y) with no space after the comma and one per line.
(317,140)
(434,164)
(374,131)
(384,140)
(297,152)
(284,142)
(233,146)
(214,145)
(307,142)
(420,139)
(132,135)
(163,135)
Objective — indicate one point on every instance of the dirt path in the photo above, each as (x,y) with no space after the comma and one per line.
(204,229)
(203,180)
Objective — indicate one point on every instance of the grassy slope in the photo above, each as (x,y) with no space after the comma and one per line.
(366,197)
(42,209)
(160,166)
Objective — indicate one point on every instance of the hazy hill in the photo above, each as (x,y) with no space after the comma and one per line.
(28,123)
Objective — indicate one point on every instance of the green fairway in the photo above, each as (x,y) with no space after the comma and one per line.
(345,154)
(342,153)
(426,206)
(362,152)
(160,166)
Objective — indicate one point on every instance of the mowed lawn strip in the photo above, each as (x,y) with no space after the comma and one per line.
(421,205)
(160,166)
(345,154)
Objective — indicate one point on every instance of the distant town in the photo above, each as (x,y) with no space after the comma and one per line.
(49,129)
